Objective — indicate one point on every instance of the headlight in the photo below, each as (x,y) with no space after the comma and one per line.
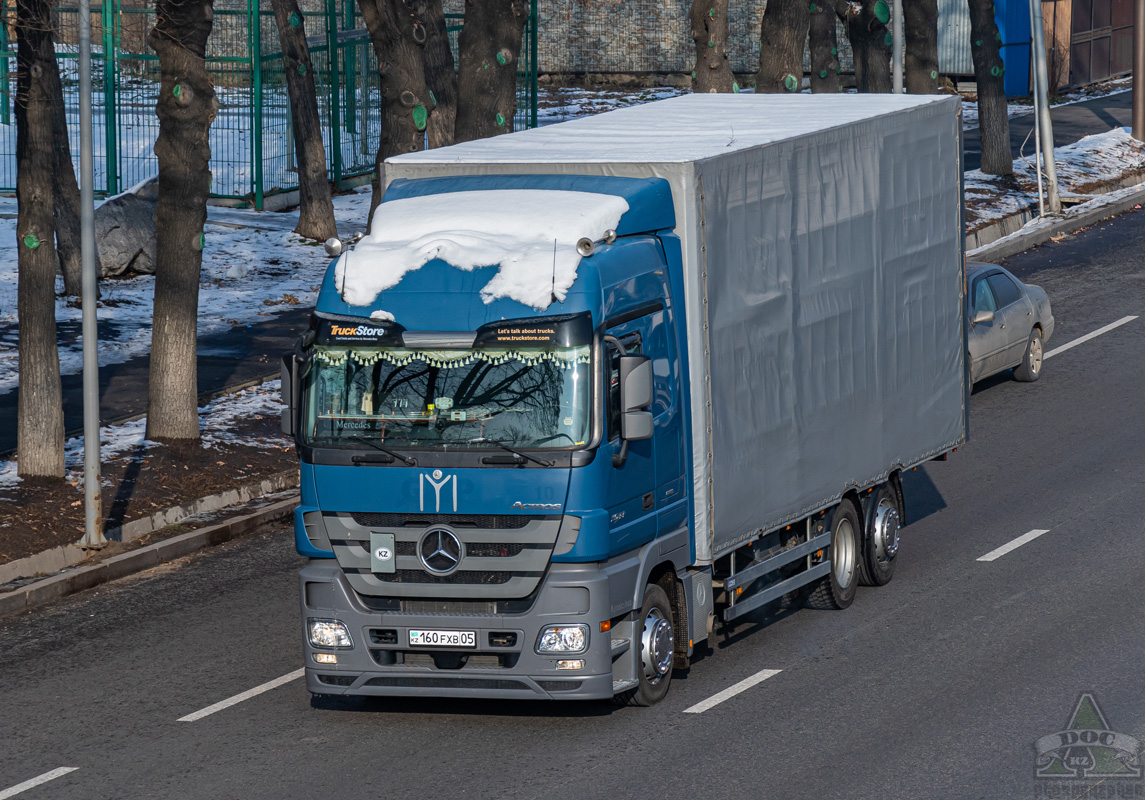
(328,633)
(563,639)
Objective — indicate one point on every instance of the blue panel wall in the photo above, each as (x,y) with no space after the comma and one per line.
(1013,18)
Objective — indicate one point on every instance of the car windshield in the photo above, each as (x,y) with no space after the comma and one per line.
(521,396)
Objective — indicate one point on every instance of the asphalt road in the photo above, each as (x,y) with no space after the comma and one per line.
(936,685)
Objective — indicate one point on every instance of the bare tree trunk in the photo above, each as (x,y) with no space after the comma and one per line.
(186,108)
(870,42)
(488,52)
(710,34)
(40,413)
(920,22)
(65,189)
(824,50)
(993,121)
(441,76)
(316,208)
(781,39)
(399,30)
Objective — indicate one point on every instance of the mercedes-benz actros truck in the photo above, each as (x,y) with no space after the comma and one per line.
(586,392)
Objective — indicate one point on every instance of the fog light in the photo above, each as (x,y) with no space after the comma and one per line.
(563,639)
(328,633)
(572,663)
(326,658)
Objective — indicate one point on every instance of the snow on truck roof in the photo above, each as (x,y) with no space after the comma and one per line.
(680,129)
(530,234)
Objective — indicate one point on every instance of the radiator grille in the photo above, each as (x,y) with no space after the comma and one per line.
(474,550)
(467,577)
(506,522)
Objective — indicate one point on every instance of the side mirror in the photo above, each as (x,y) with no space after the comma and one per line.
(288,393)
(983,316)
(635,397)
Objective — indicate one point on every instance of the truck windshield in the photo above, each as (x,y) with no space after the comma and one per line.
(519,396)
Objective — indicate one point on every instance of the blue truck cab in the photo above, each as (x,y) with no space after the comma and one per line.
(476,522)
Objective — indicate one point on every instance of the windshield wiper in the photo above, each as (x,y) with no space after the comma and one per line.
(385,450)
(512,450)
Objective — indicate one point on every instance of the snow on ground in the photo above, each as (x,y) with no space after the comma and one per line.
(217,422)
(561,103)
(1096,159)
(248,275)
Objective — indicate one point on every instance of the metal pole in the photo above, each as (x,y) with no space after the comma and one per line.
(896,51)
(1138,69)
(1037,118)
(93,511)
(1045,125)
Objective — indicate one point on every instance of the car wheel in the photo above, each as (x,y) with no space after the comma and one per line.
(880,538)
(655,643)
(837,588)
(1031,367)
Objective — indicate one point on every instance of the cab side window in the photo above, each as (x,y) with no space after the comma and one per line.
(632,346)
(1004,289)
(983,297)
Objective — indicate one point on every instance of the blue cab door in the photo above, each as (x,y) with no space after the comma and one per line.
(646,496)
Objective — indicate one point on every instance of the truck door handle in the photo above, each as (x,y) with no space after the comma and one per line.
(648,501)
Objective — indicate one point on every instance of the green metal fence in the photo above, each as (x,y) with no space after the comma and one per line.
(252,148)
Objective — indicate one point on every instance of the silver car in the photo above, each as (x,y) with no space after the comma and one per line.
(1010,322)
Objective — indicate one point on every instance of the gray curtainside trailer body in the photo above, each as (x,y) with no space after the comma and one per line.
(806,287)
(823,281)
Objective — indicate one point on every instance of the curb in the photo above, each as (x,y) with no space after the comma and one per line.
(1041,230)
(50,589)
(69,555)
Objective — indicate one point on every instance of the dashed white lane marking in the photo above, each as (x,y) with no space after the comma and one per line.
(1025,538)
(732,691)
(1088,336)
(238,698)
(36,781)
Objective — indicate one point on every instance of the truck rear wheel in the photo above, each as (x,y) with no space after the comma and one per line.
(880,538)
(655,644)
(837,588)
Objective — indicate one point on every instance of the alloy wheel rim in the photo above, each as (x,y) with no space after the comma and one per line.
(657,646)
(843,557)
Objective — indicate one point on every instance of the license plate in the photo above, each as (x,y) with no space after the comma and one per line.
(442,639)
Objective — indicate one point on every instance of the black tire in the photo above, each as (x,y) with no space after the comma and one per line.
(880,537)
(837,588)
(654,677)
(1031,367)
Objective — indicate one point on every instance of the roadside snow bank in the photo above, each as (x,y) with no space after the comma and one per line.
(530,234)
(1089,165)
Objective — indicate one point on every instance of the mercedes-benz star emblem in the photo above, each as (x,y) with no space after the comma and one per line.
(440,551)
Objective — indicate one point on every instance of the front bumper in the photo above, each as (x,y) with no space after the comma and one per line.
(381,661)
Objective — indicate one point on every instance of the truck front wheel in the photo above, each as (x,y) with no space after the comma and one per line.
(655,643)
(837,588)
